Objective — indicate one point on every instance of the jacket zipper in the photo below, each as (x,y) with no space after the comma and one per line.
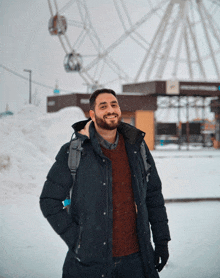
(78,245)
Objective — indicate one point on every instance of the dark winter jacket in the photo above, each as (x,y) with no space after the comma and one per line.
(87,230)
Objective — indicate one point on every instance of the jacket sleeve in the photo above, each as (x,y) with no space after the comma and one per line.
(55,190)
(155,204)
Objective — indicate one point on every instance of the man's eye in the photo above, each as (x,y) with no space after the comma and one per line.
(102,107)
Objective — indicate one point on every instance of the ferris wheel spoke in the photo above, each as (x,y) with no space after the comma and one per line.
(159,37)
(135,32)
(130,24)
(138,42)
(216,6)
(99,72)
(213,27)
(126,12)
(111,81)
(79,41)
(50,7)
(156,43)
(76,23)
(79,4)
(56,6)
(67,6)
(207,57)
(119,14)
(188,53)
(169,43)
(125,35)
(184,9)
(92,33)
(62,43)
(115,67)
(68,42)
(96,42)
(88,28)
(87,78)
(195,44)
(155,51)
(208,40)
(142,39)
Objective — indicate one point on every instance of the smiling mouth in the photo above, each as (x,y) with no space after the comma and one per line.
(111,117)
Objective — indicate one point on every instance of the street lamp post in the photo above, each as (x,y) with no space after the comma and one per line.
(29,84)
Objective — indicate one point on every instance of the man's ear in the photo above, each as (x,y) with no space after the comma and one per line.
(92,115)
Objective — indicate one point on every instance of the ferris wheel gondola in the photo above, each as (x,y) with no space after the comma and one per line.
(73,62)
(57,25)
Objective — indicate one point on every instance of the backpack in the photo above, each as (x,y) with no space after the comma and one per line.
(75,151)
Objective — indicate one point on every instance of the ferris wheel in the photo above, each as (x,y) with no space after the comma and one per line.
(117,41)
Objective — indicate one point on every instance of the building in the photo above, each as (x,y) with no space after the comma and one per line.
(138,101)
(137,109)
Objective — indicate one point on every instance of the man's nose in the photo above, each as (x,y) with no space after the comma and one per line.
(110,109)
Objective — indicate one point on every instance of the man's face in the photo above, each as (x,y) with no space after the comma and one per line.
(107,113)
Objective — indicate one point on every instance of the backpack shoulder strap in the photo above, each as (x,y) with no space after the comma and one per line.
(75,151)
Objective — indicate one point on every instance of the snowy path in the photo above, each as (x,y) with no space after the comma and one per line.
(193,174)
(195,244)
(30,248)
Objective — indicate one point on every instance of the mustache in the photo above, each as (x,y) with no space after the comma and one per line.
(110,114)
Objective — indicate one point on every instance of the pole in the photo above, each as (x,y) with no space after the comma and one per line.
(187,122)
(203,122)
(179,125)
(30,86)
(30,72)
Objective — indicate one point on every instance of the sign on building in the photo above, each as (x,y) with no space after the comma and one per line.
(172,87)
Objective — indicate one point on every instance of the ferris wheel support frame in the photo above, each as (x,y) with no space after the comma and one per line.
(170,40)
(208,40)
(182,17)
(157,37)
(213,28)
(188,53)
(179,47)
(199,61)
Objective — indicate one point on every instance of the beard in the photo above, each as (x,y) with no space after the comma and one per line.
(108,126)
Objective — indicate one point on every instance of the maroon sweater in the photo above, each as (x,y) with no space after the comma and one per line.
(125,240)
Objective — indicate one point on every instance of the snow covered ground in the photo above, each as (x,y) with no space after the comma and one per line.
(30,248)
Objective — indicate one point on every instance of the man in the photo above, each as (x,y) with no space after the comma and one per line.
(114,200)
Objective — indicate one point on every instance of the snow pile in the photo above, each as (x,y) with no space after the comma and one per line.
(30,141)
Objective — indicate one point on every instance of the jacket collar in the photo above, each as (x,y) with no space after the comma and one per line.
(80,125)
(130,133)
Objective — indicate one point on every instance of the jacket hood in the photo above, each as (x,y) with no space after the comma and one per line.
(131,134)
(80,125)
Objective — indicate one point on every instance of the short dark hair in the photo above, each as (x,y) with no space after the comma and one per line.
(98,92)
